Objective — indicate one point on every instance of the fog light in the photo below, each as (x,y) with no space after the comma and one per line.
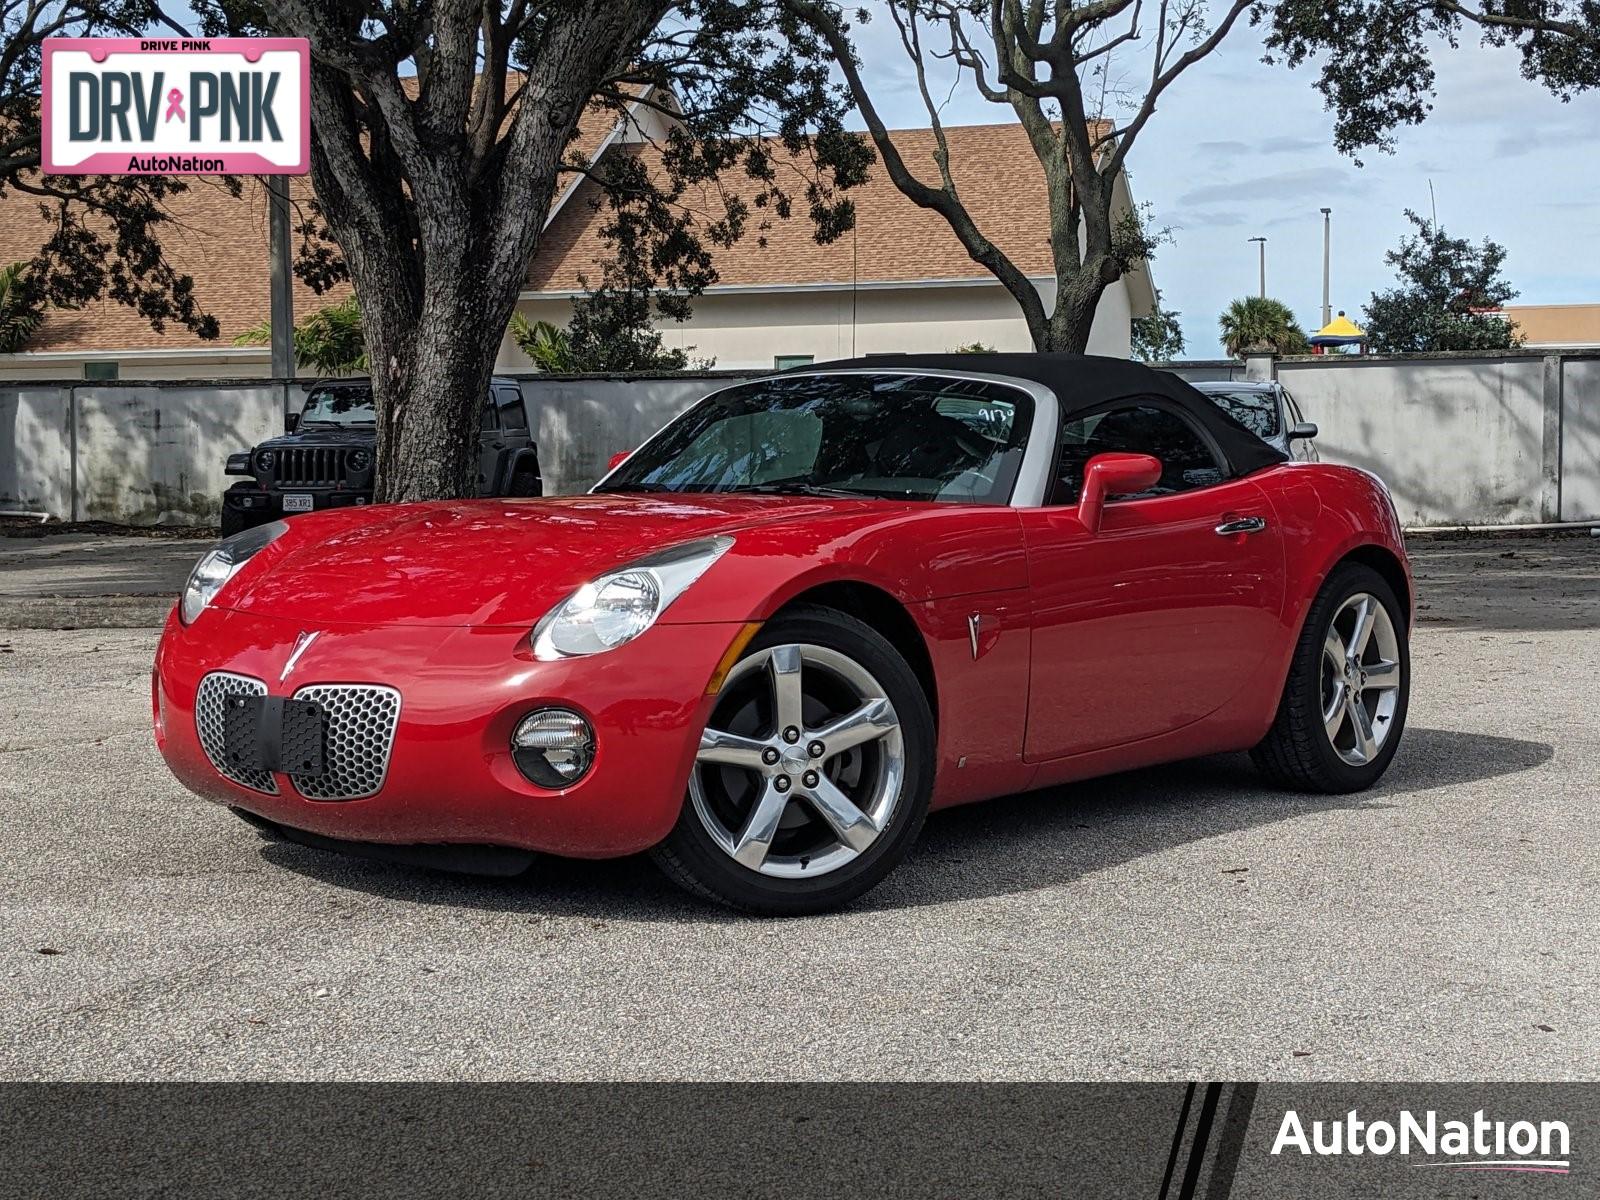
(553,747)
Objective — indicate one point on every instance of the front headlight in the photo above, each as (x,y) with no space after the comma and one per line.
(221,563)
(620,605)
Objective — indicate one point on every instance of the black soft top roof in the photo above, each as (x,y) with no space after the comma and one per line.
(1082,381)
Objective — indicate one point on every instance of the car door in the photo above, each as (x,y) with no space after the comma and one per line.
(491,444)
(1159,617)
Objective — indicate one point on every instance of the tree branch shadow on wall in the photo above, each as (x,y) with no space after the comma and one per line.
(1012,845)
(1356,441)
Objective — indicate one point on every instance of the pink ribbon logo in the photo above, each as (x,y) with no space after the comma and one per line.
(175,105)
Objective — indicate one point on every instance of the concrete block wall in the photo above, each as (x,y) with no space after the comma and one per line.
(133,453)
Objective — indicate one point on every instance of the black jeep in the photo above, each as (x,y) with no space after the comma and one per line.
(325,459)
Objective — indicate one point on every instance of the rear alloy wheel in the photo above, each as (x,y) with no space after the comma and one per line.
(813,772)
(1344,705)
(1360,679)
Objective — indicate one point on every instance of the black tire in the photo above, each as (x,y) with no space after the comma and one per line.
(525,484)
(691,858)
(1297,751)
(234,521)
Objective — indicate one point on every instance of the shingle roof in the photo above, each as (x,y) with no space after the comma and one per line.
(995,171)
(219,239)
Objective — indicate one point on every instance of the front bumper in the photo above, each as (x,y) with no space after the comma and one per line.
(450,776)
(260,505)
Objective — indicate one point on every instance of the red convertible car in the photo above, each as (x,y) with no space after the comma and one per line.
(807,611)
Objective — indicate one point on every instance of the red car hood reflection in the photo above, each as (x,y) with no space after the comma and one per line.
(486,562)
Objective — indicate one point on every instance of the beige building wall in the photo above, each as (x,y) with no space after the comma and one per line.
(750,330)
(1556,324)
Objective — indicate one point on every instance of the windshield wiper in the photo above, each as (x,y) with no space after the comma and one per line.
(793,488)
(627,486)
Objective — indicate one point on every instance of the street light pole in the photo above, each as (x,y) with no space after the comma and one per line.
(1327,237)
(1263,244)
(282,284)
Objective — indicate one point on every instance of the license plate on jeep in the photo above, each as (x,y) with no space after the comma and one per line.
(297,502)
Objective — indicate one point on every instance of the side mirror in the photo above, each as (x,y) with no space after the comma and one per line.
(1305,429)
(617,459)
(1109,475)
(291,422)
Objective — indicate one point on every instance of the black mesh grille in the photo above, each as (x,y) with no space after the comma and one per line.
(311,466)
(361,721)
(210,707)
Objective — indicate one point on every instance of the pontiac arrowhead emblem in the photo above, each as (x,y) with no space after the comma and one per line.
(301,645)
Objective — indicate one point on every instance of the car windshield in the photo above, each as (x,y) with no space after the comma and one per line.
(339,406)
(1256,411)
(879,436)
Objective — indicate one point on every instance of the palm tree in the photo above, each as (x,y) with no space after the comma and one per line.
(549,347)
(1261,321)
(328,340)
(20,310)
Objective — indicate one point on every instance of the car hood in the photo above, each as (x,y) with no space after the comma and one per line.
(481,562)
(327,435)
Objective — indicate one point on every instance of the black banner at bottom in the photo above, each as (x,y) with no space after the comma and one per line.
(1158,1141)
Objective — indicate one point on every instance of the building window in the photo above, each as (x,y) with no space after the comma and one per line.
(99,370)
(782,362)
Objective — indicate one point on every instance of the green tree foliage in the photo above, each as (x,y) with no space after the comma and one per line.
(1157,337)
(20,308)
(328,341)
(547,344)
(1086,78)
(610,331)
(1261,321)
(973,348)
(1449,291)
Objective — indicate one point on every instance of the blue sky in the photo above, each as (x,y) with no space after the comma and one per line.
(1239,149)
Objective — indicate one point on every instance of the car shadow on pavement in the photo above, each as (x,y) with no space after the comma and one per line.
(1000,847)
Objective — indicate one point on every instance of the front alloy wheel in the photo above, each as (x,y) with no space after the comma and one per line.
(812,773)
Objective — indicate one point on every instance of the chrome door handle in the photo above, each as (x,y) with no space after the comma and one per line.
(1242,525)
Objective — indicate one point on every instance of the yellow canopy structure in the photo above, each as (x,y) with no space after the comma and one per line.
(1341,331)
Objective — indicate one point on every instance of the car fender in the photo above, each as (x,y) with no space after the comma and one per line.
(961,578)
(520,458)
(1328,513)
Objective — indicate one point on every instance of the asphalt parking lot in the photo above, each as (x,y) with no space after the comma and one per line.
(1183,922)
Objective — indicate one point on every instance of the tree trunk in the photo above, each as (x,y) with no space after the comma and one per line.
(430,379)
(1067,328)
(438,204)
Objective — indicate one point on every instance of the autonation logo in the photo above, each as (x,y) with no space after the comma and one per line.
(1479,1144)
